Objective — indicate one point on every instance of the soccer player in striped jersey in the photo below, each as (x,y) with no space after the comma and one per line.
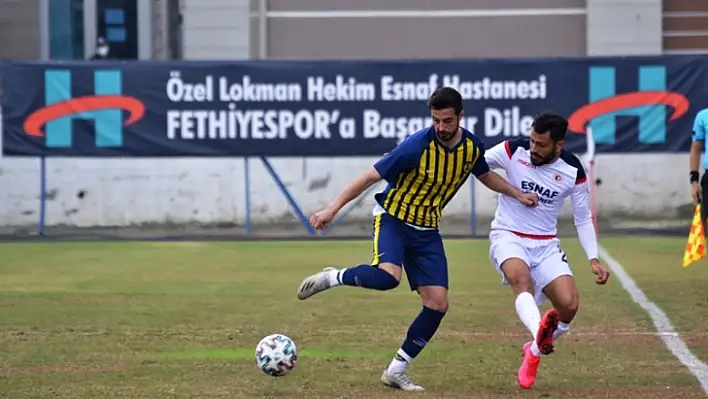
(423,174)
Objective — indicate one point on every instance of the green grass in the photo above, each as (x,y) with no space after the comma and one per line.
(181,320)
(681,293)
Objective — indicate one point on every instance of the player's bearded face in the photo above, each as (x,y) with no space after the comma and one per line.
(447,134)
(446,123)
(543,149)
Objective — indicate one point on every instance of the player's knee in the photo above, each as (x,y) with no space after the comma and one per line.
(567,306)
(570,308)
(517,275)
(436,300)
(391,283)
(395,271)
(439,305)
(520,283)
(565,297)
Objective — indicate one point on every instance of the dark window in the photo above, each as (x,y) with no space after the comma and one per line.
(66,29)
(117,22)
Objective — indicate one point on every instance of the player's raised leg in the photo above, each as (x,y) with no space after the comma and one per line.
(426,269)
(516,273)
(564,296)
(384,272)
(512,262)
(554,277)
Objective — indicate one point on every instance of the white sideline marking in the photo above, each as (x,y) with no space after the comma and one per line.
(663,325)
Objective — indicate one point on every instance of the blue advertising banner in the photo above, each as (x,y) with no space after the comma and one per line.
(347,108)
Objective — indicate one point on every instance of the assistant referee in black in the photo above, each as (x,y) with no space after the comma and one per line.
(699,185)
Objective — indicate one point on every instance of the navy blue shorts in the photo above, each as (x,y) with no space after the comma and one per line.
(419,252)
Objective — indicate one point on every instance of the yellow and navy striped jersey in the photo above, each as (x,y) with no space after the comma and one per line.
(423,175)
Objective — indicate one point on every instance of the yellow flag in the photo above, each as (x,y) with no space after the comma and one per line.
(696,245)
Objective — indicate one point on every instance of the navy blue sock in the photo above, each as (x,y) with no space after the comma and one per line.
(421,331)
(368,276)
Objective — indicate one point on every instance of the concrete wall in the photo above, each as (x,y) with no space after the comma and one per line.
(324,29)
(160,32)
(216,29)
(122,192)
(624,27)
(19,32)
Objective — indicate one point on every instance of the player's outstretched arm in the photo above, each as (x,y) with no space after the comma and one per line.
(582,216)
(402,158)
(495,182)
(321,219)
(355,188)
(497,157)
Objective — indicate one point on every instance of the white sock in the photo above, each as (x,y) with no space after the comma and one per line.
(562,329)
(529,314)
(399,362)
(534,349)
(335,277)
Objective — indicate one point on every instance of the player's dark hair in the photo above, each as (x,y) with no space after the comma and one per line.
(548,122)
(445,97)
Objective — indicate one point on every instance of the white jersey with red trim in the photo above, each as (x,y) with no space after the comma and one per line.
(552,182)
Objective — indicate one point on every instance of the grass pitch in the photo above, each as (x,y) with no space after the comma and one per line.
(181,320)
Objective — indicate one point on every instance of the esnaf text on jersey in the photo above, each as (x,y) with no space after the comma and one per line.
(545,195)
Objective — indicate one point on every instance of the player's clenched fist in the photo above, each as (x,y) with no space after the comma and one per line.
(321,219)
(602,274)
(528,199)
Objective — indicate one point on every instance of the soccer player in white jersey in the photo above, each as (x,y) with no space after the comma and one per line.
(524,247)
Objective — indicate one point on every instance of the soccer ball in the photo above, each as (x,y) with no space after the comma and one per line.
(276,355)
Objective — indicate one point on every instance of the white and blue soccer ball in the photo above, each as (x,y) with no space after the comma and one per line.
(276,355)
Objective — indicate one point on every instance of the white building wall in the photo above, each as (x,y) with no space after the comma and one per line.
(624,27)
(216,29)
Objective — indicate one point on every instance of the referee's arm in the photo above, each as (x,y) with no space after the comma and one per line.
(697,144)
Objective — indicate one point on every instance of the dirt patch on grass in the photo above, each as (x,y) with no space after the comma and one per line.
(658,392)
(68,299)
(68,369)
(179,244)
(595,393)
(96,299)
(632,334)
(696,340)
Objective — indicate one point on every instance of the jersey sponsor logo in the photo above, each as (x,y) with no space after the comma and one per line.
(546,195)
(527,164)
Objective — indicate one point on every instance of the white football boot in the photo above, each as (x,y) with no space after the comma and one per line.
(315,283)
(400,381)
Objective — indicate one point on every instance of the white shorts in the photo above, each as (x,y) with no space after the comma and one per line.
(545,258)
